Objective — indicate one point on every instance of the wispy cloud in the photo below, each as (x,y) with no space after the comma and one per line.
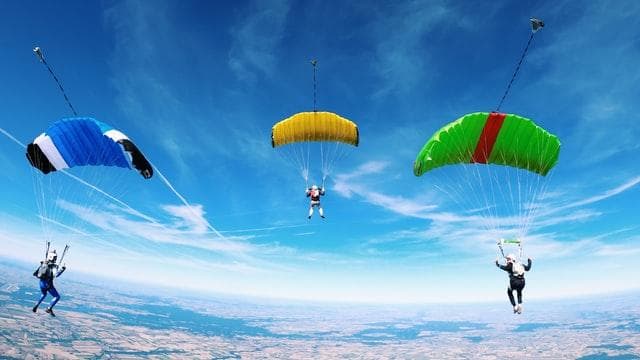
(83,234)
(157,233)
(255,40)
(191,217)
(402,60)
(185,230)
(620,251)
(305,233)
(150,45)
(444,238)
(269,228)
(348,184)
(607,194)
(558,205)
(478,229)
(398,204)
(601,84)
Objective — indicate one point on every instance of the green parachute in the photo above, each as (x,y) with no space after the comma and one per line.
(490,138)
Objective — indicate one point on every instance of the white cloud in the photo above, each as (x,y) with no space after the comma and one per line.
(348,184)
(559,206)
(159,233)
(185,230)
(191,217)
(478,230)
(577,216)
(618,251)
(607,194)
(397,204)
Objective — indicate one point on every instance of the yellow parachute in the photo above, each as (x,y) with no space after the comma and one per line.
(321,136)
(314,126)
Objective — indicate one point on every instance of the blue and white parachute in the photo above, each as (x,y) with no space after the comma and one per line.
(85,141)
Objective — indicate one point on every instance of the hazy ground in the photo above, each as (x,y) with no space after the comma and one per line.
(98,322)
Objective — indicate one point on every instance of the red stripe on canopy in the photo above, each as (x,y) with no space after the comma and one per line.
(488,138)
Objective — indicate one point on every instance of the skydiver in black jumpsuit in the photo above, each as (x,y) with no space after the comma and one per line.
(516,280)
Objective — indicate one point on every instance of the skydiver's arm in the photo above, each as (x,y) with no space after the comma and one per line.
(61,271)
(506,268)
(322,192)
(35,273)
(528,266)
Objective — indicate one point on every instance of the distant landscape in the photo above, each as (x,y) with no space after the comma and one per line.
(103,322)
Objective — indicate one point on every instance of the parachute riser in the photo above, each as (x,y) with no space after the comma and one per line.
(46,251)
(64,252)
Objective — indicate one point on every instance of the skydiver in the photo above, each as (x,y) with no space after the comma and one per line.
(46,272)
(314,193)
(516,279)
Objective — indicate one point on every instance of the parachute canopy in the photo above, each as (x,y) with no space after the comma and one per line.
(490,138)
(314,126)
(85,141)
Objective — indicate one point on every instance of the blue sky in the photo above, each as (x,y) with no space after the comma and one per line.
(198,85)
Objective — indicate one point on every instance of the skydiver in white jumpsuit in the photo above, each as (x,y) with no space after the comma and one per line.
(314,193)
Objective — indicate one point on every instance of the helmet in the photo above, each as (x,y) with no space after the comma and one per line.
(52,255)
(511,257)
(314,187)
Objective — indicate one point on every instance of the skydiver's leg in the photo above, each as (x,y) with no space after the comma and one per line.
(517,285)
(310,211)
(510,294)
(56,297)
(321,211)
(519,290)
(43,290)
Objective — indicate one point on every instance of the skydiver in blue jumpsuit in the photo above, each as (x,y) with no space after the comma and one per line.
(46,272)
